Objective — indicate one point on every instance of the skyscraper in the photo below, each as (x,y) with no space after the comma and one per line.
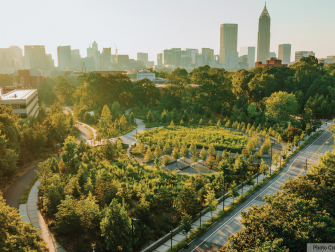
(250,51)
(159,59)
(228,39)
(142,57)
(34,56)
(263,45)
(284,53)
(64,58)
(106,58)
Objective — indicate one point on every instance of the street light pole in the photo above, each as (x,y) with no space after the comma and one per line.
(132,232)
(171,240)
(271,157)
(200,218)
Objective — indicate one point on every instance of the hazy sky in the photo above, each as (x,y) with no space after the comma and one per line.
(153,25)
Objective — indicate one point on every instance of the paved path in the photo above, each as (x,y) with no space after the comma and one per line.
(34,216)
(13,193)
(217,236)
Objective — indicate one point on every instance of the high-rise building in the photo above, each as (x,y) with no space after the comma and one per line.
(272,55)
(284,53)
(89,51)
(159,59)
(64,58)
(142,57)
(207,56)
(300,54)
(106,58)
(251,52)
(172,57)
(17,56)
(34,56)
(192,53)
(76,60)
(49,62)
(95,47)
(228,39)
(263,45)
(122,60)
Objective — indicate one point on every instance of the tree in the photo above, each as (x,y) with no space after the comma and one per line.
(218,124)
(175,153)
(186,202)
(116,227)
(278,220)
(210,161)
(211,201)
(233,191)
(150,116)
(218,158)
(16,234)
(252,111)
(158,152)
(67,220)
(183,151)
(281,105)
(171,124)
(8,158)
(203,153)
(185,224)
(148,155)
(167,148)
(265,148)
(211,150)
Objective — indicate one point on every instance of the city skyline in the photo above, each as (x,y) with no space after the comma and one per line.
(184,31)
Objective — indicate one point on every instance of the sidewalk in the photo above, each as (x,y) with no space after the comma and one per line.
(31,214)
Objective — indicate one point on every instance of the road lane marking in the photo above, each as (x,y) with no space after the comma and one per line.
(198,246)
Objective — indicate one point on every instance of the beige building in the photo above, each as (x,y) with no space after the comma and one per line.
(263,45)
(228,39)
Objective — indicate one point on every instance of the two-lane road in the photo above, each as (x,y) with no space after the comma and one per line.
(217,236)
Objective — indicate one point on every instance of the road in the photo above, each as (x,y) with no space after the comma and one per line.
(217,236)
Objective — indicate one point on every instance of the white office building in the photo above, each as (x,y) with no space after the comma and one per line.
(284,53)
(23,101)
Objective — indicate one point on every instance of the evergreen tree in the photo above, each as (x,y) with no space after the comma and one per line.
(116,227)
(167,148)
(203,153)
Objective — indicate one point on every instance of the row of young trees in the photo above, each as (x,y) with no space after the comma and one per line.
(303,212)
(23,140)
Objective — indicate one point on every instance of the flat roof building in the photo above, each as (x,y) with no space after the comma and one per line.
(270,62)
(284,53)
(23,101)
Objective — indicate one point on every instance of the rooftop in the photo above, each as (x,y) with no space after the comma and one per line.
(17,94)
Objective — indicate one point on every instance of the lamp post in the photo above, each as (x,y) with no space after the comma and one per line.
(271,157)
(171,240)
(200,218)
(132,232)
(224,183)
(306,166)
